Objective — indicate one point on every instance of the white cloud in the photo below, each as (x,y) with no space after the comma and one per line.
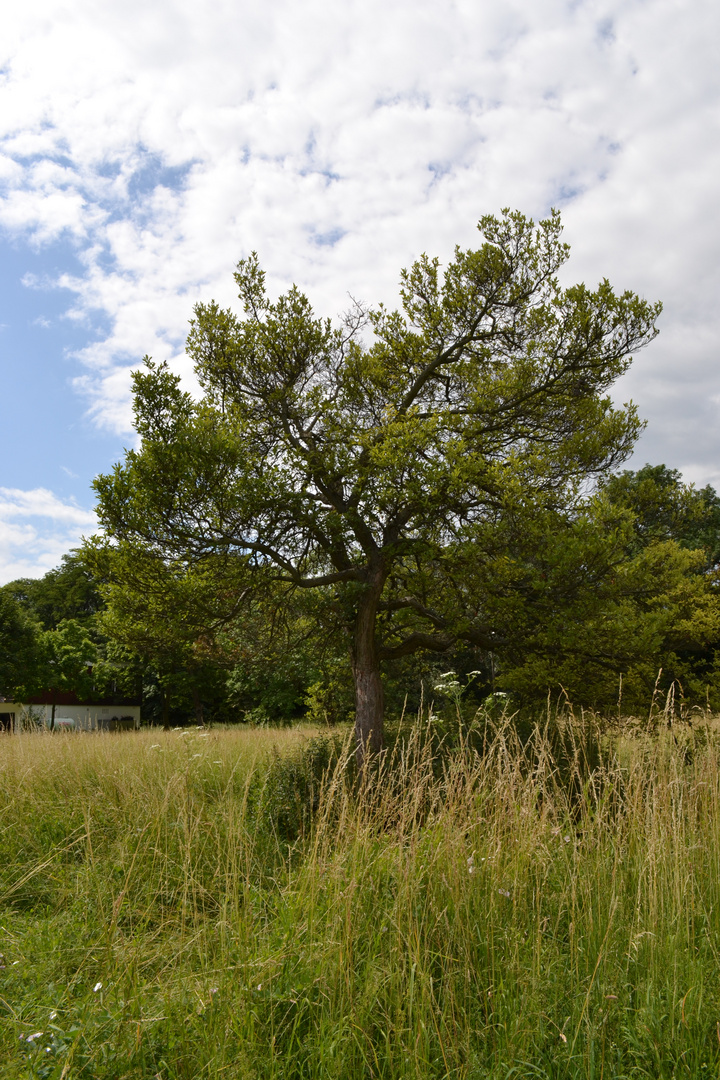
(341,140)
(36,530)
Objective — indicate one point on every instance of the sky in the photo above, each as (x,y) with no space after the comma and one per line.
(146,147)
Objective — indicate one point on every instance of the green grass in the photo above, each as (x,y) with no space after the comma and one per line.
(516,913)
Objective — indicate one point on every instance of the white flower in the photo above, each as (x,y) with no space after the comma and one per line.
(96,987)
(35,1036)
(53,1015)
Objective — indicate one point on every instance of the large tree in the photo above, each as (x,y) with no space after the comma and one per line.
(368,470)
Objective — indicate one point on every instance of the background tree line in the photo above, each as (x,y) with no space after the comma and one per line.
(648,600)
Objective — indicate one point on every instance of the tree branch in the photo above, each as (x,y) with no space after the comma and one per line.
(415,642)
(353,574)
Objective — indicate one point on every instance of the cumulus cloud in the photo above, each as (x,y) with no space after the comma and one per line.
(36,530)
(340,141)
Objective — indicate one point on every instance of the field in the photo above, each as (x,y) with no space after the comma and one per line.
(205,905)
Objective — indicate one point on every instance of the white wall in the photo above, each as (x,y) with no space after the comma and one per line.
(84,717)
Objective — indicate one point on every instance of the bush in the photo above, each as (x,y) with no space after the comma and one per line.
(285,800)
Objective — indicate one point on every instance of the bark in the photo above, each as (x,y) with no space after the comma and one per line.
(369,697)
(369,710)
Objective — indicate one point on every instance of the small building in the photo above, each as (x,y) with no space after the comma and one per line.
(71,714)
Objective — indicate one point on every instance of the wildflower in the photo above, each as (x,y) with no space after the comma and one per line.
(471,864)
(566,839)
(259,986)
(53,1015)
(214,989)
(30,1038)
(563,1036)
(504,892)
(96,987)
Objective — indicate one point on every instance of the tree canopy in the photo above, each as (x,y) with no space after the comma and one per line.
(403,477)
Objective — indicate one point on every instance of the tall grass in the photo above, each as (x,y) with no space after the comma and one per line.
(234,904)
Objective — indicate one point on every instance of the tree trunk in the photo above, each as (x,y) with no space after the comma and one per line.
(369,697)
(166,710)
(198,705)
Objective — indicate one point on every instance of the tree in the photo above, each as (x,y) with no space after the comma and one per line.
(599,617)
(70,654)
(368,471)
(67,592)
(665,508)
(21,652)
(161,618)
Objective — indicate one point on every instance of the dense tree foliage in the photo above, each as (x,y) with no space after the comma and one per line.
(67,592)
(665,508)
(21,654)
(625,588)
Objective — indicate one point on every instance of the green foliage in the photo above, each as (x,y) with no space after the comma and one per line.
(285,799)
(70,655)
(329,700)
(595,614)
(21,652)
(51,637)
(665,508)
(67,592)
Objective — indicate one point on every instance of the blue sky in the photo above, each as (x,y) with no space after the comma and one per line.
(145,148)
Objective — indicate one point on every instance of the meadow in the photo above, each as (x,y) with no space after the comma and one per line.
(235,903)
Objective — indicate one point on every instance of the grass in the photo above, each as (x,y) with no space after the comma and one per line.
(205,905)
